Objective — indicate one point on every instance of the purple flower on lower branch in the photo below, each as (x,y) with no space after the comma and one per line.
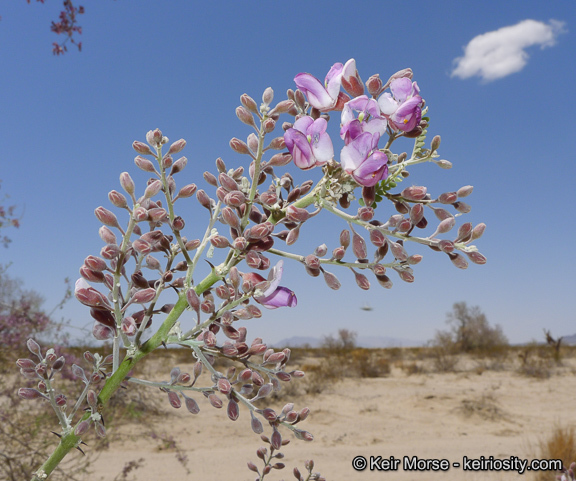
(309,143)
(361,159)
(273,295)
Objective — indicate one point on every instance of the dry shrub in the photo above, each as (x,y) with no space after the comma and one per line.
(560,444)
(411,368)
(485,407)
(535,363)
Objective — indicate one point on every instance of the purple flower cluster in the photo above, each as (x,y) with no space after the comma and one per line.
(363,121)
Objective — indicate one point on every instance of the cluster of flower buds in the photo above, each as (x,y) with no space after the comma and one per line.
(44,370)
(270,461)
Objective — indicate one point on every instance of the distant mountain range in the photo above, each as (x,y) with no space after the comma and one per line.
(570,340)
(361,341)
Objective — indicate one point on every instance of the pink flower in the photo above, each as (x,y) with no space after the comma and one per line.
(309,143)
(361,159)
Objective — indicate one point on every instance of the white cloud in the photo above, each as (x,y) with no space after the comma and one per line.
(497,54)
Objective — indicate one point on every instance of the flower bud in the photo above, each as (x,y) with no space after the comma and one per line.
(331,280)
(398,250)
(82,428)
(144,164)
(142,148)
(444,164)
(152,189)
(374,85)
(377,238)
(240,243)
(338,253)
(320,251)
(459,261)
(233,410)
(414,193)
(157,215)
(220,242)
(277,144)
(280,160)
(268,96)
(446,225)
(107,235)
(177,147)
(228,182)
(249,103)
(215,401)
(462,207)
(106,217)
(365,213)
(203,199)
(30,393)
(384,281)
(293,236)
(239,146)
(361,280)
(414,259)
(187,191)
(476,257)
(359,246)
(269,125)
(102,332)
(345,238)
(446,246)
(143,296)
(435,144)
(416,213)
(235,198)
(127,183)
(478,231)
(210,178)
(268,198)
(282,107)
(253,143)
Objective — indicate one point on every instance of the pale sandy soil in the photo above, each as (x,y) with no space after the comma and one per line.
(432,415)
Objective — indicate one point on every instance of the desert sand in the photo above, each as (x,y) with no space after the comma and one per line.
(448,416)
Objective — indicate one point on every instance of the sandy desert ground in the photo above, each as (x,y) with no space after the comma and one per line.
(470,413)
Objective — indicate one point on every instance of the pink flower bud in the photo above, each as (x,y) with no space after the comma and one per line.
(359,246)
(253,143)
(462,207)
(416,213)
(128,326)
(82,428)
(345,238)
(107,235)
(192,244)
(144,296)
(91,275)
(362,281)
(224,386)
(144,164)
(448,198)
(245,116)
(249,103)
(240,243)
(177,147)
(239,146)
(178,223)
(154,137)
(398,251)
(459,261)
(339,253)
(478,231)
(227,182)
(220,242)
(280,160)
(476,257)
(282,107)
(374,85)
(331,280)
(293,236)
(384,281)
(102,332)
(414,259)
(235,199)
(365,213)
(215,401)
(269,125)
(127,183)
(321,250)
(152,189)
(187,191)
(142,148)
(233,410)
(444,164)
(435,144)
(268,198)
(95,263)
(446,225)
(157,214)
(106,217)
(268,96)
(312,261)
(117,199)
(465,191)
(203,199)
(414,193)
(446,246)
(464,232)
(179,165)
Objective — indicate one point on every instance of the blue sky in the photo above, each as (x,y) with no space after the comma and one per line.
(69,122)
